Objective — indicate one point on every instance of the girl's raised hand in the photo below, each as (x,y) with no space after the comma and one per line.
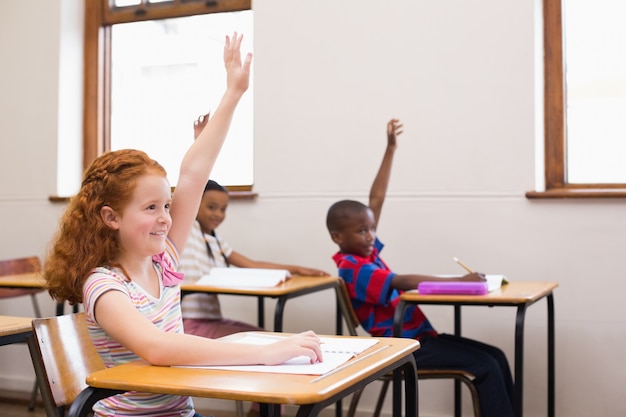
(301,344)
(237,74)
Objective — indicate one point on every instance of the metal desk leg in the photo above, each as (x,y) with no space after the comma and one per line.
(397,393)
(519,360)
(397,385)
(339,314)
(60,309)
(398,317)
(261,311)
(457,384)
(408,374)
(551,357)
(278,314)
(269,410)
(411,392)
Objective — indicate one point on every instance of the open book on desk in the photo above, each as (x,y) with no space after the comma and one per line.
(244,277)
(495,281)
(335,351)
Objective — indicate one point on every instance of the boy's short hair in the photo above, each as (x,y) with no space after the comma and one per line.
(341,212)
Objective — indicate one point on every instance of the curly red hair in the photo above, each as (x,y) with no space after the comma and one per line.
(83,241)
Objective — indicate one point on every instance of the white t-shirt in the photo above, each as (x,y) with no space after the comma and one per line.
(194,263)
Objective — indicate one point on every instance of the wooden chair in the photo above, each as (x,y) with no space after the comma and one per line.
(23,266)
(460,375)
(63,356)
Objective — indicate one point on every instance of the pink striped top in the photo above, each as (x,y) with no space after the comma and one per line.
(164,312)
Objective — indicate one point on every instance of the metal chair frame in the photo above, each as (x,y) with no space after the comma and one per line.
(460,375)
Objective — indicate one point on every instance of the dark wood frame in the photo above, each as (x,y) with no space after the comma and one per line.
(555,118)
(99,16)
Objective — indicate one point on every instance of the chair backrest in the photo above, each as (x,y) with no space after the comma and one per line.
(20,265)
(63,355)
(349,315)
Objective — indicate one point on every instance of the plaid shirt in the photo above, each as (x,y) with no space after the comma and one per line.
(374,300)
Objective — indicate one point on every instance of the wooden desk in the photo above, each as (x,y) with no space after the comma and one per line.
(293,287)
(15,329)
(311,392)
(515,294)
(27,280)
(31,280)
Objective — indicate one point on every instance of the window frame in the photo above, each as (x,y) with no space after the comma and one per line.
(555,117)
(100,15)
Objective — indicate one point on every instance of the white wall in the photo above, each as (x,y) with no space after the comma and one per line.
(329,74)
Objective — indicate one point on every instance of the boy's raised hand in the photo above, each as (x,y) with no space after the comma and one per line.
(199,124)
(394,128)
(237,74)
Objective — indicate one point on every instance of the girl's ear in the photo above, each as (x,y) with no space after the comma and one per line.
(109,217)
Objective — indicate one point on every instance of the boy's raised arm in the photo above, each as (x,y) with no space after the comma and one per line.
(379,186)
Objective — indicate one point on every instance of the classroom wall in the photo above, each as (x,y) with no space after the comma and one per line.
(462,77)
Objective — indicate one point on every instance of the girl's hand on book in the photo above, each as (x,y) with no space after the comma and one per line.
(301,344)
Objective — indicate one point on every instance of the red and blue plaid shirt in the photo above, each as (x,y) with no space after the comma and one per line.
(374,300)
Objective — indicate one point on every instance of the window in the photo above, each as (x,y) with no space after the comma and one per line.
(152,67)
(585,96)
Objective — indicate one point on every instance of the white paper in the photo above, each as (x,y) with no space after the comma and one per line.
(494,281)
(298,365)
(244,277)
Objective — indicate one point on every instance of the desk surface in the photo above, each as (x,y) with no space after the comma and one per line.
(513,293)
(293,284)
(27,280)
(254,386)
(14,329)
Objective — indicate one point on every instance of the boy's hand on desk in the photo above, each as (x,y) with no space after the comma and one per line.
(474,277)
(302,344)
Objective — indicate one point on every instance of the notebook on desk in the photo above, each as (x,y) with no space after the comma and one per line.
(244,277)
(495,281)
(335,352)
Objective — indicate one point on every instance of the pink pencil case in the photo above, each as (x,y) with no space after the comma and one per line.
(454,287)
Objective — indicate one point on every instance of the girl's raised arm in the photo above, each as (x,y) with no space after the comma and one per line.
(199,160)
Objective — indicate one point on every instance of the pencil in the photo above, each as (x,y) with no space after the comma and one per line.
(467,268)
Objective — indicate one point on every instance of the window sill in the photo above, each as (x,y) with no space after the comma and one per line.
(242,195)
(234,195)
(578,193)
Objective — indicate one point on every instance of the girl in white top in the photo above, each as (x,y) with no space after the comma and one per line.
(202,314)
(117,249)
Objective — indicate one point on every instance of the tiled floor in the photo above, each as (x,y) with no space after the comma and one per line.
(19,408)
